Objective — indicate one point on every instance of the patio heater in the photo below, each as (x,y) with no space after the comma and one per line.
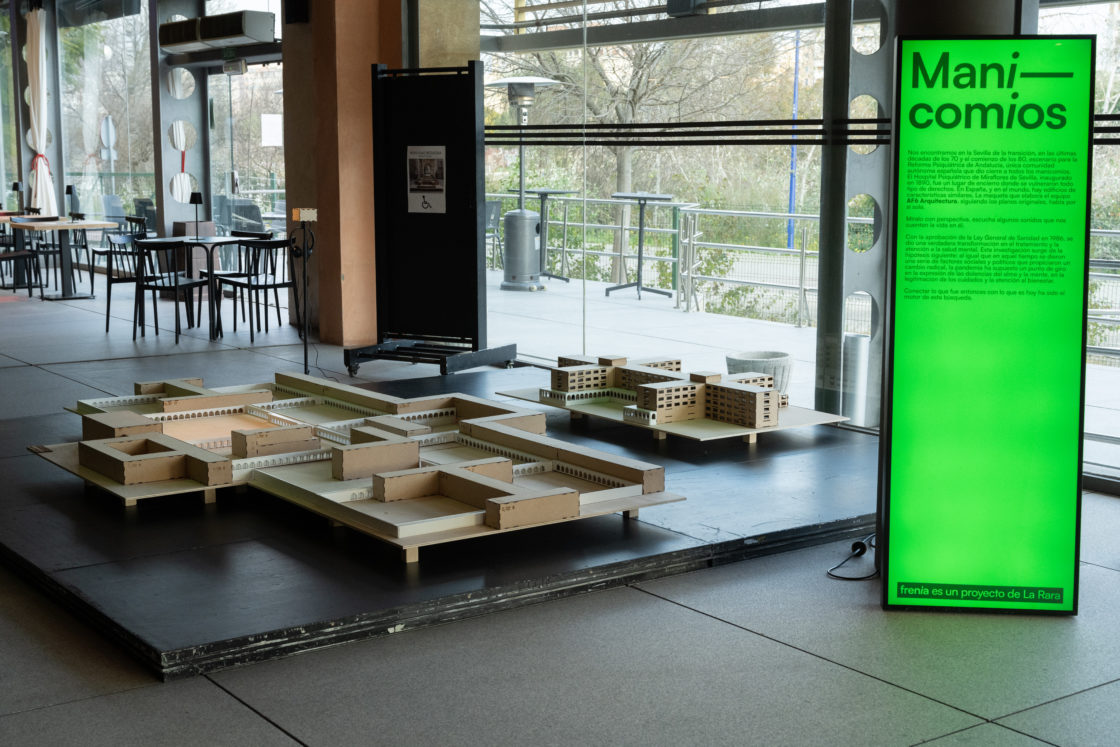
(73,195)
(17,187)
(523,227)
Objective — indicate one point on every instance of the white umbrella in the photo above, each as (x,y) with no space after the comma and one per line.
(42,184)
(89,187)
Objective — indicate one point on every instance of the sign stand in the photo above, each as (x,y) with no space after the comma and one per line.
(980,484)
(430,220)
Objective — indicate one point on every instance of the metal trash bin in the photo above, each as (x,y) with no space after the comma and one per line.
(853,399)
(522,257)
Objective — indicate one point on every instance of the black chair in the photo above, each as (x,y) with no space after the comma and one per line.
(137,226)
(245,215)
(233,264)
(145,207)
(44,246)
(25,265)
(268,266)
(121,260)
(162,269)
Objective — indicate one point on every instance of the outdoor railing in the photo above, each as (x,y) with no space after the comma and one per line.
(776,283)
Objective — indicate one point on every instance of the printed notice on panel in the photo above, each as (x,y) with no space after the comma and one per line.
(427,179)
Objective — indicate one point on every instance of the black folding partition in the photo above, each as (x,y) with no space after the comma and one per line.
(430,218)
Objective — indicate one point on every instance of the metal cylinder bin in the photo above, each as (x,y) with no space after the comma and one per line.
(522,251)
(857,356)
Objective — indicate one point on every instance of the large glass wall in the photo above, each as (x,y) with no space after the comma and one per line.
(106,104)
(1102,395)
(8,136)
(728,249)
(735,244)
(247,150)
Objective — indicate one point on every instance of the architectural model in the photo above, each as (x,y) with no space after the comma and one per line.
(411,472)
(662,394)
(656,394)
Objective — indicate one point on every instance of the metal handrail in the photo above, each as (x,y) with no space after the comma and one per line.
(689,240)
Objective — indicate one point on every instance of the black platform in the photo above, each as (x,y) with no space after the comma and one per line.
(192,588)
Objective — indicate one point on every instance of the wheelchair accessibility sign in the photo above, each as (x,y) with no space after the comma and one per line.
(427,186)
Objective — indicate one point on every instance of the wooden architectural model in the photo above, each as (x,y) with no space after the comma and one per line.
(662,394)
(411,472)
(656,394)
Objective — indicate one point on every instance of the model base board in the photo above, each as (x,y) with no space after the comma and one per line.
(411,472)
(654,394)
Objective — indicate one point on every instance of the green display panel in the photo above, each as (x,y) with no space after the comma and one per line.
(980,488)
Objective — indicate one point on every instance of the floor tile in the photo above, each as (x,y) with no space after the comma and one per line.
(59,332)
(193,712)
(215,368)
(1098,536)
(986,735)
(1089,717)
(49,657)
(987,664)
(613,667)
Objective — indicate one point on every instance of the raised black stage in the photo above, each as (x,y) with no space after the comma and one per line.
(191,588)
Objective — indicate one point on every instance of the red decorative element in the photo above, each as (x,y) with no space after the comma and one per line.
(35,162)
(183,161)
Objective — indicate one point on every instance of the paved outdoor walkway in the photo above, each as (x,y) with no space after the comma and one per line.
(548,323)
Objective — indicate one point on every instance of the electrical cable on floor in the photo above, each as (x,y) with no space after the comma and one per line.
(859,547)
(316,365)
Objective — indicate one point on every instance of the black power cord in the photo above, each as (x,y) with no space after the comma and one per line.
(859,547)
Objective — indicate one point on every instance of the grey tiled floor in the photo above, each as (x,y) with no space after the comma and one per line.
(766,651)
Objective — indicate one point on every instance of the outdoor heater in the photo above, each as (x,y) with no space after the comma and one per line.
(523,227)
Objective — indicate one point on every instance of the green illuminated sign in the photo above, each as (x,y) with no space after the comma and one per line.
(982,425)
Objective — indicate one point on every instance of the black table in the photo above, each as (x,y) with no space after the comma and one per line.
(641,198)
(544,194)
(208,244)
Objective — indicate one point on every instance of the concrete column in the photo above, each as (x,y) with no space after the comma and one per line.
(328,137)
(833,231)
(168,160)
(328,145)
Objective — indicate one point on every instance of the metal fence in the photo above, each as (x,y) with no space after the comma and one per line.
(694,251)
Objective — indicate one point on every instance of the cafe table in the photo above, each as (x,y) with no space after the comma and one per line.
(66,262)
(208,244)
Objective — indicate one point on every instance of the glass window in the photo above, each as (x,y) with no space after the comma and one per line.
(107,110)
(1102,374)
(8,137)
(247,150)
(734,233)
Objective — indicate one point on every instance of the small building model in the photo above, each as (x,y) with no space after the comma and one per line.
(662,394)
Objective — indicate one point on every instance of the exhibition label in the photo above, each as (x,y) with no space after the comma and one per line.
(987,333)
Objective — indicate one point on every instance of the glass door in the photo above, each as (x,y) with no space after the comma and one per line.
(247,151)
